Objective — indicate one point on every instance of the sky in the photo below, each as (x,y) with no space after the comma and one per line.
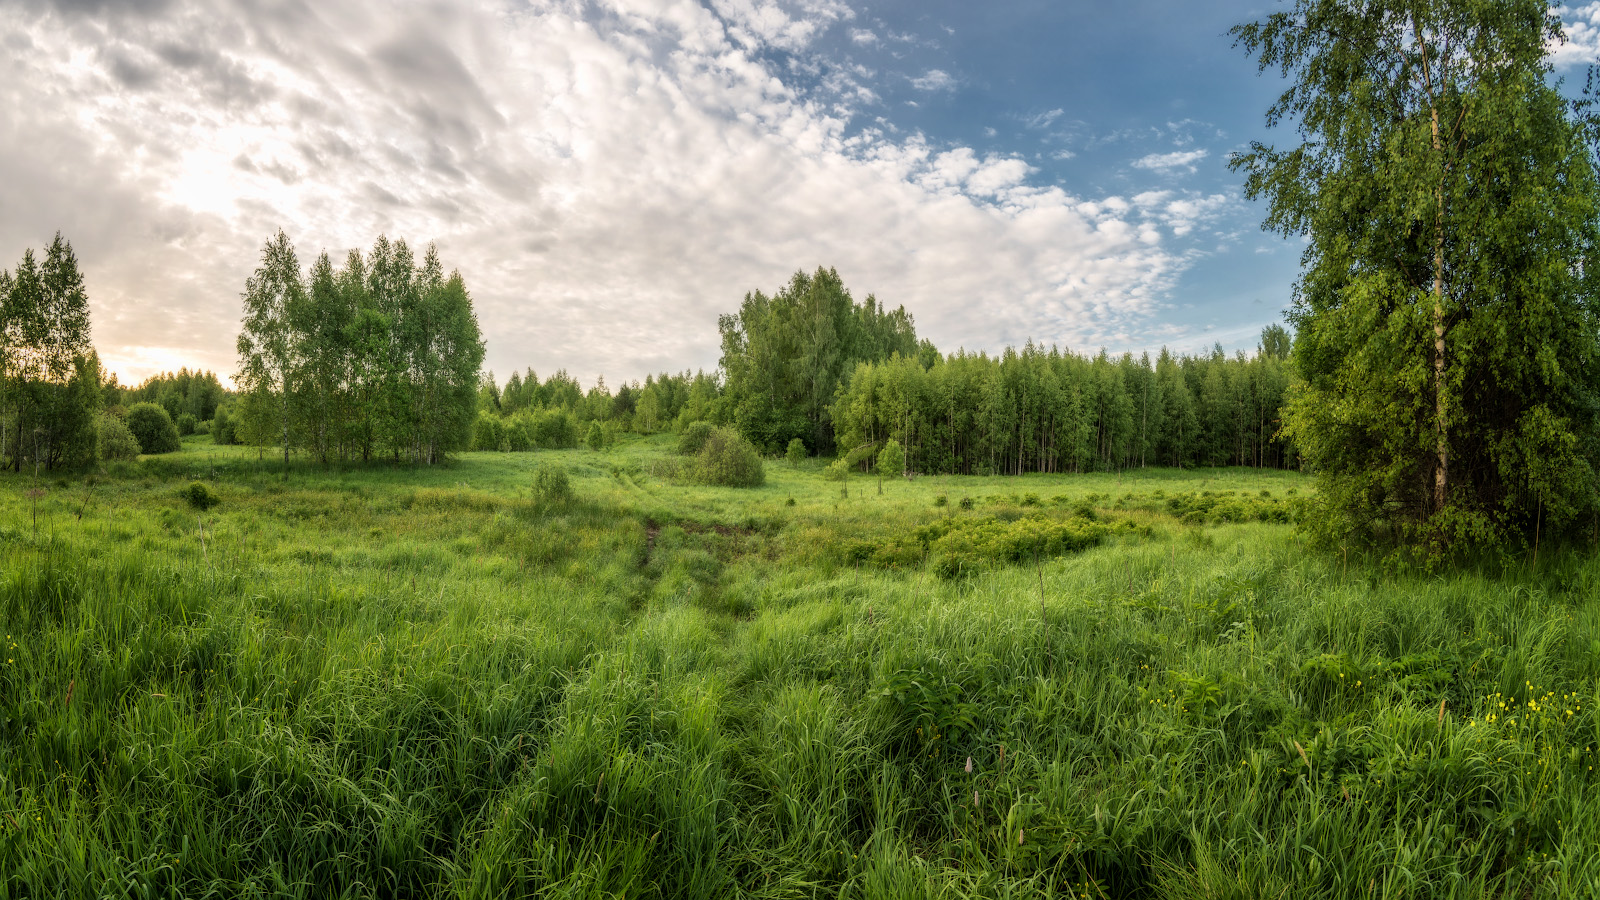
(609,176)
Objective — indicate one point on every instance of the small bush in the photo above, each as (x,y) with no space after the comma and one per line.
(796,453)
(966,502)
(551,485)
(726,458)
(202,427)
(223,430)
(694,437)
(941,500)
(115,440)
(199,496)
(596,438)
(186,424)
(153,428)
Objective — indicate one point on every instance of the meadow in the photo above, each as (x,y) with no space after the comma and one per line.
(419,682)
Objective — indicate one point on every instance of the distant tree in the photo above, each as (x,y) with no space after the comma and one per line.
(153,428)
(596,439)
(186,424)
(796,453)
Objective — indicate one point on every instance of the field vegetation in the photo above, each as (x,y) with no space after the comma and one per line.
(559,674)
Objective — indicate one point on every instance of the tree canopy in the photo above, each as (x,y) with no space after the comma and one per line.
(1445,319)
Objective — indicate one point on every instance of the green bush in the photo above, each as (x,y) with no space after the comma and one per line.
(186,424)
(596,438)
(153,428)
(694,437)
(115,440)
(223,430)
(726,458)
(555,429)
(199,496)
(551,484)
(796,453)
(487,432)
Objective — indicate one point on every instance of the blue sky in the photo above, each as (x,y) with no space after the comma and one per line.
(610,175)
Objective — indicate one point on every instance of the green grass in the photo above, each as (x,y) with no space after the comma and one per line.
(371,681)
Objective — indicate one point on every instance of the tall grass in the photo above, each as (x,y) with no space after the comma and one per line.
(407,683)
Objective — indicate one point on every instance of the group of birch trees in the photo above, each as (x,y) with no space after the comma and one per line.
(378,358)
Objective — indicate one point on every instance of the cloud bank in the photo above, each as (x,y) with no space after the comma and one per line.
(607,176)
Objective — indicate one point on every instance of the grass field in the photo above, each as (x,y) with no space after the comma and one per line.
(414,683)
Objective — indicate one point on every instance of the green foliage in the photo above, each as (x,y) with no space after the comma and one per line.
(596,439)
(50,385)
(961,547)
(199,496)
(488,432)
(726,458)
(796,454)
(786,355)
(186,424)
(223,428)
(153,429)
(694,438)
(379,357)
(551,485)
(892,459)
(1446,336)
(1209,507)
(115,441)
(1041,409)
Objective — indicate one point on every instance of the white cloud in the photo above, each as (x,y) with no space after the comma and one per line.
(864,36)
(935,80)
(1044,119)
(1168,162)
(1582,27)
(607,177)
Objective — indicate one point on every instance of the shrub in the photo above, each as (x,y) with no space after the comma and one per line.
(891,460)
(186,424)
(199,496)
(694,437)
(596,438)
(202,427)
(555,429)
(487,432)
(153,428)
(966,502)
(941,500)
(115,440)
(551,485)
(726,458)
(222,428)
(796,453)
(519,432)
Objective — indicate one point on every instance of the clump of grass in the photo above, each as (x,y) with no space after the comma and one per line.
(551,486)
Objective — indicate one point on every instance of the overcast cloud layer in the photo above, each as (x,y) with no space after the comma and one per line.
(608,176)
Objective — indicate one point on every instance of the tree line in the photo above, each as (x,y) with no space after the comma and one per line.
(1049,410)
(378,358)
